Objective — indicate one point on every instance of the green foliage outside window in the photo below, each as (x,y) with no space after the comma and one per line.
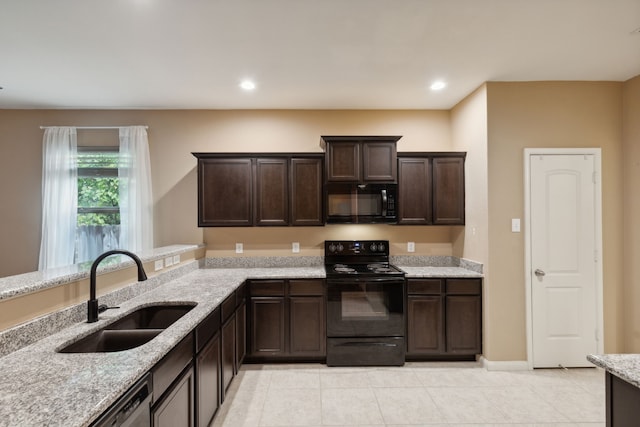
(98,188)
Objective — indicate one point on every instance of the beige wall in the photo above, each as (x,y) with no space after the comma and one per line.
(469,133)
(631,171)
(494,125)
(173,135)
(547,114)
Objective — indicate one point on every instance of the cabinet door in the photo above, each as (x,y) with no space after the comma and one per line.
(379,161)
(224,192)
(208,381)
(307,326)
(268,330)
(343,162)
(425,325)
(176,408)
(306,192)
(272,190)
(241,334)
(228,353)
(448,190)
(414,186)
(464,324)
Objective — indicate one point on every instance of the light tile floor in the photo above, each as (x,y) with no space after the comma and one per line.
(417,394)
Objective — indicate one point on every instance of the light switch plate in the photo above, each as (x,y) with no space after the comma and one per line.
(515,225)
(168,261)
(295,247)
(158,265)
(239,248)
(176,259)
(411,246)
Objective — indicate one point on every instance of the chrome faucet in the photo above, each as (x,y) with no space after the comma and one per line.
(92,305)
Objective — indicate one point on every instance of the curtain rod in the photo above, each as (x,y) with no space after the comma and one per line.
(92,127)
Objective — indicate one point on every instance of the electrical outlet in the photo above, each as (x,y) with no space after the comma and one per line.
(295,247)
(239,248)
(158,265)
(411,246)
(168,261)
(176,259)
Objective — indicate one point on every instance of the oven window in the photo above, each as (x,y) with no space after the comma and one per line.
(363,305)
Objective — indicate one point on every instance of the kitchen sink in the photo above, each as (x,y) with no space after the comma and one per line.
(152,317)
(136,328)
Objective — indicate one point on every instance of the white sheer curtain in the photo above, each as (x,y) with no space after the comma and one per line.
(136,201)
(59,197)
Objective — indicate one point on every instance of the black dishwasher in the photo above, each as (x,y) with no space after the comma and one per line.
(132,409)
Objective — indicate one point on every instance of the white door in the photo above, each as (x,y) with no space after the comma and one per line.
(563,260)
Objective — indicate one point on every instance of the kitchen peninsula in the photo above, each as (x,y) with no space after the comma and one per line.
(40,386)
(622,386)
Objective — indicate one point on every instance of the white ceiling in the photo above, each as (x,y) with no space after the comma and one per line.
(309,54)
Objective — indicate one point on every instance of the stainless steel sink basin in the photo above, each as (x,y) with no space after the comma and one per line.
(136,328)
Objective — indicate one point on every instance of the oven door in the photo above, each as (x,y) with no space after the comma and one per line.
(359,307)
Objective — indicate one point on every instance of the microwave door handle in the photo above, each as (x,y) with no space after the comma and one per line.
(384,202)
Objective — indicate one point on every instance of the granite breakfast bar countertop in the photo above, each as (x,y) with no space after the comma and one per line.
(623,366)
(39,386)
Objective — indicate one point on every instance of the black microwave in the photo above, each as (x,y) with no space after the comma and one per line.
(361,203)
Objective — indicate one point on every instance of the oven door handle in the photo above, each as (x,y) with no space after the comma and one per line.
(366,344)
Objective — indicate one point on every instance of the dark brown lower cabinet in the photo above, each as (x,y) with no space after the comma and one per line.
(622,409)
(208,381)
(307,335)
(425,318)
(286,320)
(444,318)
(267,326)
(241,334)
(228,335)
(176,406)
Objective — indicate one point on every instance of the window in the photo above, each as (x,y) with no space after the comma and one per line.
(98,225)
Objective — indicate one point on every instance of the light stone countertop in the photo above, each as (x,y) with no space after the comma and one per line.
(39,386)
(623,366)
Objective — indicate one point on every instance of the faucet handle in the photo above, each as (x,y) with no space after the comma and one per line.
(103,307)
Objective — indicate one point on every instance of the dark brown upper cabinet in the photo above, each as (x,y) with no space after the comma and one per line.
(431,188)
(448,190)
(306,191)
(361,159)
(414,188)
(264,189)
(272,191)
(225,192)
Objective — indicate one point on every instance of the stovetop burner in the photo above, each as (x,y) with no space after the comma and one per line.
(359,258)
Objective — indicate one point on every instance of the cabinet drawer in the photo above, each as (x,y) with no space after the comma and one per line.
(424,286)
(171,365)
(464,286)
(306,287)
(267,288)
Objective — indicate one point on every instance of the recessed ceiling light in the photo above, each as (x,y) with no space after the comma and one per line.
(439,85)
(248,85)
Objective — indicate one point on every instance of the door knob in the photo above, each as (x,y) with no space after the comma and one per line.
(539,272)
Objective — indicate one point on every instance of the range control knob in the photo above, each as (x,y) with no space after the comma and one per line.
(340,247)
(332,248)
(381,247)
(373,247)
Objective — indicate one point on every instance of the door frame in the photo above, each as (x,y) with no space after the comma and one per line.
(597,153)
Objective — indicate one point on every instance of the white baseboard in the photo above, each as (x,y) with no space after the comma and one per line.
(507,365)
